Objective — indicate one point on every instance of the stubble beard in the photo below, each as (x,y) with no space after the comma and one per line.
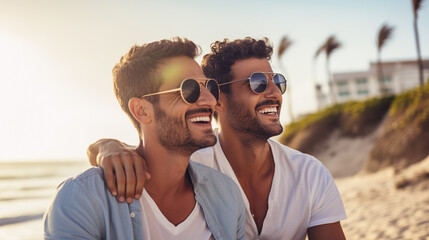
(245,122)
(174,135)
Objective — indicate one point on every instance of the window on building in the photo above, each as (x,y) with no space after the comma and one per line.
(386,79)
(363,92)
(342,83)
(344,93)
(361,81)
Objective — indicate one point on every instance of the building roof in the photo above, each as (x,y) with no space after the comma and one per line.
(403,62)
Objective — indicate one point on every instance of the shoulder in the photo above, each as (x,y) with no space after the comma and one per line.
(285,155)
(301,168)
(89,187)
(86,187)
(88,175)
(92,176)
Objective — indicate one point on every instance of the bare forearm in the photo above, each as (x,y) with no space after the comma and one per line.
(329,231)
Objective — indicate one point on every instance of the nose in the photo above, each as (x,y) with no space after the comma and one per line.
(206,98)
(272,90)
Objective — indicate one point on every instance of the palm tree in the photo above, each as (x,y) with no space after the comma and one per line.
(328,47)
(317,86)
(416,6)
(384,34)
(285,43)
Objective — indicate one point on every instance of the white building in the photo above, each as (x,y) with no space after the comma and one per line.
(398,76)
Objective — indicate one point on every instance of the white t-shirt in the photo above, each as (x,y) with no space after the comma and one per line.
(303,193)
(156,226)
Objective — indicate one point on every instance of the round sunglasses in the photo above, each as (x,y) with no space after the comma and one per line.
(259,81)
(190,89)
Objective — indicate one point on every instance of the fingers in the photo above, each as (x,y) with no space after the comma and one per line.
(120,180)
(141,174)
(125,173)
(109,177)
(128,161)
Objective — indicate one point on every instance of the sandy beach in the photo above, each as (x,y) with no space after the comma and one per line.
(376,209)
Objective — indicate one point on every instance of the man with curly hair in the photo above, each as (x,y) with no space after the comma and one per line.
(287,194)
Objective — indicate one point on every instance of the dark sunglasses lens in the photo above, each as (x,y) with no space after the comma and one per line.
(258,82)
(190,90)
(213,88)
(280,81)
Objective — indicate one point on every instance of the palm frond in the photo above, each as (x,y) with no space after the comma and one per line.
(331,44)
(328,46)
(417,4)
(285,43)
(384,34)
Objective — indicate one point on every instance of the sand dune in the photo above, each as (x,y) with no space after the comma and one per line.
(381,205)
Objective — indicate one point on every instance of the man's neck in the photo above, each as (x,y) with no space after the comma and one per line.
(247,158)
(167,169)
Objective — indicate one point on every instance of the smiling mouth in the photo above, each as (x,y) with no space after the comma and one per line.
(200,119)
(199,116)
(268,110)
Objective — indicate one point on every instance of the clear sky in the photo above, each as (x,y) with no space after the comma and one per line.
(56,57)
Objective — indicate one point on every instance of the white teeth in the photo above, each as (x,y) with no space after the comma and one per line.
(200,119)
(268,110)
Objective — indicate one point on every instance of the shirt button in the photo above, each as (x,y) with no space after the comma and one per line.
(132,214)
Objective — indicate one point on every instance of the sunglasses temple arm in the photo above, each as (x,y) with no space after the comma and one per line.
(168,91)
(233,81)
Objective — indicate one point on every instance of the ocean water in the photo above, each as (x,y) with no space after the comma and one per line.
(26,189)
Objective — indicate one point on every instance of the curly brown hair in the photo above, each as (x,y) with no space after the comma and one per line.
(136,73)
(217,64)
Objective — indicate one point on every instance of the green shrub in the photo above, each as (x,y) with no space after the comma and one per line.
(359,118)
(407,103)
(329,114)
(351,117)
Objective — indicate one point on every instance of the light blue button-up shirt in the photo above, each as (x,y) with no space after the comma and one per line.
(83,208)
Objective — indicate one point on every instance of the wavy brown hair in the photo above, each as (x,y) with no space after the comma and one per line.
(136,73)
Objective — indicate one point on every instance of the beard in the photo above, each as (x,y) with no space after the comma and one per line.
(175,135)
(242,120)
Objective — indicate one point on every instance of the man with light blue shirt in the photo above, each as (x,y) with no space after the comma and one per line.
(170,101)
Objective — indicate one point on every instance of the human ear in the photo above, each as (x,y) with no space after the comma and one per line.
(220,106)
(141,109)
